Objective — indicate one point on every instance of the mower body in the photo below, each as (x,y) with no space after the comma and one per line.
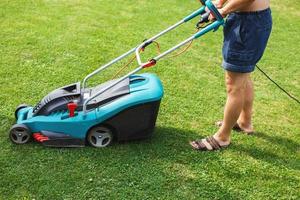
(129,109)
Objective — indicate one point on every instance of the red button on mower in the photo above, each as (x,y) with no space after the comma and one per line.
(72,107)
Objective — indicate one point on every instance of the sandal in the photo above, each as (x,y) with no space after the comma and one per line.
(207,144)
(236,127)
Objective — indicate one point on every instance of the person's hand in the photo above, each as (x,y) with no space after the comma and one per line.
(218,4)
(221,11)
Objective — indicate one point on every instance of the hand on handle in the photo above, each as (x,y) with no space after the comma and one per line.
(212,17)
(215,8)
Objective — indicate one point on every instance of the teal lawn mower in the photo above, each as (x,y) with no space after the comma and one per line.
(122,109)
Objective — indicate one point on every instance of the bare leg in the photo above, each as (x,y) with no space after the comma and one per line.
(245,117)
(236,85)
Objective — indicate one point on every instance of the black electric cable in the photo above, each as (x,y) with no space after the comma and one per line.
(282,89)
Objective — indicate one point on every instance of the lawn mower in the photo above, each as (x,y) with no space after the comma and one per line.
(122,109)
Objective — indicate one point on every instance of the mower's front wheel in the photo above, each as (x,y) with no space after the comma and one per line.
(19,108)
(19,134)
(100,136)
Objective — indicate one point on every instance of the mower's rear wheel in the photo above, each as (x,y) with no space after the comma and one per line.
(19,108)
(100,136)
(19,134)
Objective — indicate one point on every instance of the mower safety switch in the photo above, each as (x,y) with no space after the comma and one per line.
(72,107)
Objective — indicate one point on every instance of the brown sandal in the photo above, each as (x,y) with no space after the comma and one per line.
(236,127)
(207,144)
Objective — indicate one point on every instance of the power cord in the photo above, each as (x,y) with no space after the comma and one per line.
(282,89)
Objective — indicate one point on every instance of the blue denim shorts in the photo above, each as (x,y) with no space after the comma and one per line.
(245,38)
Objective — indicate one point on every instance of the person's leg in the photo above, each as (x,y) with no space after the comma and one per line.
(245,119)
(244,122)
(236,85)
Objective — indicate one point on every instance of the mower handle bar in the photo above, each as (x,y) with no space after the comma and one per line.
(136,50)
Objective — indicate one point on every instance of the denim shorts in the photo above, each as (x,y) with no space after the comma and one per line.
(245,38)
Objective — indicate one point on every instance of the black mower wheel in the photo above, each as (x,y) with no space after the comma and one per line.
(19,108)
(19,134)
(100,136)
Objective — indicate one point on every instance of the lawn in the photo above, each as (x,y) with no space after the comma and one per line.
(45,44)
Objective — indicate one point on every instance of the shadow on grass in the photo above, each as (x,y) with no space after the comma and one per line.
(286,142)
(257,152)
(275,157)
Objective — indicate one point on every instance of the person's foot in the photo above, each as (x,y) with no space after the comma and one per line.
(239,127)
(211,143)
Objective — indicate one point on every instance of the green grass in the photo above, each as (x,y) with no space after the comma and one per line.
(50,43)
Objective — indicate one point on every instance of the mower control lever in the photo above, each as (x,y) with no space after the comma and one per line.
(203,19)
